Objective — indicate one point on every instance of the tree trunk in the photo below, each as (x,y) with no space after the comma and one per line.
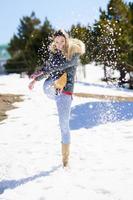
(105,73)
(84,71)
(131,80)
(122,75)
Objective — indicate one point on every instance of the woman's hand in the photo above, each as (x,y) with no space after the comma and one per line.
(31,84)
(36,74)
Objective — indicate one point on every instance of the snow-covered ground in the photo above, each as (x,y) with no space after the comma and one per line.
(101,165)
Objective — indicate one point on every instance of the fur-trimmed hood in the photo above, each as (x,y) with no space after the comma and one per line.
(75,46)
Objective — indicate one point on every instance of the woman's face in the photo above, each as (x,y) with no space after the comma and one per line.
(59,42)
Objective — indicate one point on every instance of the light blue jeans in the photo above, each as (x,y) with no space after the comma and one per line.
(63,103)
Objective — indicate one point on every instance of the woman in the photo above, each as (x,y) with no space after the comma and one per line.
(60,69)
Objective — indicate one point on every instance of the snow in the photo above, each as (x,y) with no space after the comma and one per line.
(101,166)
(93,80)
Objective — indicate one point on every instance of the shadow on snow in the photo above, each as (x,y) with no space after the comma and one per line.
(114,86)
(11,184)
(95,113)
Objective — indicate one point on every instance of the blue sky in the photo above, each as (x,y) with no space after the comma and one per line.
(62,14)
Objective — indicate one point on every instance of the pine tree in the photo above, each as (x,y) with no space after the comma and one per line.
(36,51)
(112,43)
(24,46)
(130,51)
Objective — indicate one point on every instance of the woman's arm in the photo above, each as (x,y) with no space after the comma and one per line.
(53,67)
(38,75)
(62,66)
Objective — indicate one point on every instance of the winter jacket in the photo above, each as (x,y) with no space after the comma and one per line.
(56,65)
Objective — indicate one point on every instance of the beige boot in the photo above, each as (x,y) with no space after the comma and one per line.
(65,154)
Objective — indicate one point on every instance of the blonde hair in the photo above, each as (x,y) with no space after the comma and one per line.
(72,46)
